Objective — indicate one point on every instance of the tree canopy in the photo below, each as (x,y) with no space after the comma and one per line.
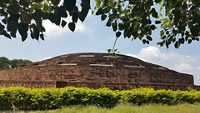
(177,20)
(5,63)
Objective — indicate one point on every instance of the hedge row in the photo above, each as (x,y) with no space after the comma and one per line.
(52,98)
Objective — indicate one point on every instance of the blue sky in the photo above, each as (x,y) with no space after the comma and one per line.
(94,36)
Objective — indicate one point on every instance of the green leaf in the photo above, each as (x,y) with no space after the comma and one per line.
(25,17)
(85,4)
(181,40)
(158,1)
(108,24)
(23,29)
(154,13)
(157,22)
(99,11)
(69,4)
(3,12)
(114,26)
(118,34)
(57,20)
(42,36)
(13,34)
(40,28)
(144,41)
(109,50)
(153,27)
(75,17)
(131,1)
(98,3)
(4,21)
(162,33)
(149,38)
(63,23)
(127,33)
(5,34)
(55,2)
(72,26)
(83,14)
(62,12)
(12,26)
(121,26)
(34,32)
(166,23)
(177,44)
(14,8)
(24,3)
(1,27)
(189,41)
(161,43)
(103,17)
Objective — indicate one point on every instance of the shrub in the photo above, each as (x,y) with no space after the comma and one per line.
(52,98)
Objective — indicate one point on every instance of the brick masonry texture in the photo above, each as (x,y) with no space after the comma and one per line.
(96,70)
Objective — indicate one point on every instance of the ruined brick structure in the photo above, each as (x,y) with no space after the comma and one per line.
(95,70)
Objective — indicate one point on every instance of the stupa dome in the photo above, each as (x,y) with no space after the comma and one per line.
(95,70)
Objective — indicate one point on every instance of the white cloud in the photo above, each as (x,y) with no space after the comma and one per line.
(81,28)
(173,60)
(53,30)
(153,54)
(184,67)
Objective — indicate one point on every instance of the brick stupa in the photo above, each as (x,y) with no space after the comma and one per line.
(96,70)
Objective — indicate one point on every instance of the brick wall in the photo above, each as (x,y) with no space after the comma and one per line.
(122,86)
(35,84)
(98,74)
(95,74)
(99,69)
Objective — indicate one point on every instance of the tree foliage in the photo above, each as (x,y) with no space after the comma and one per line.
(27,16)
(5,63)
(177,20)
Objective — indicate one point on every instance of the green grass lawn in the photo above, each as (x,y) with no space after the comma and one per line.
(126,108)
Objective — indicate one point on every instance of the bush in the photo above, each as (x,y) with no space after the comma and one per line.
(52,98)
(85,96)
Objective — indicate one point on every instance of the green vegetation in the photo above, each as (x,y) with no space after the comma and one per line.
(5,63)
(177,20)
(52,98)
(127,108)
